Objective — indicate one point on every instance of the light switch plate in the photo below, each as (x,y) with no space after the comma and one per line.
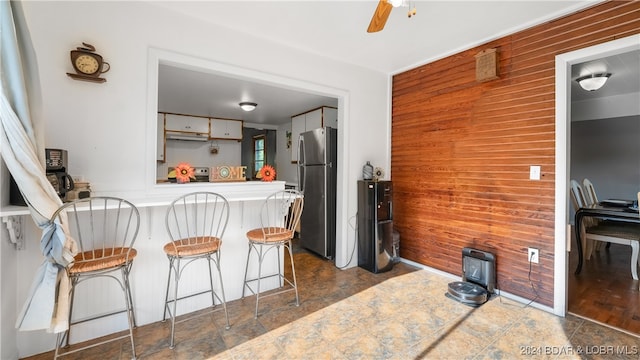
(534,172)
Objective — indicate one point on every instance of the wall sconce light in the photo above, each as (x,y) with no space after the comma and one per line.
(593,82)
(248,106)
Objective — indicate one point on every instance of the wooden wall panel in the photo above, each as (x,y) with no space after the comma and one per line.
(461,150)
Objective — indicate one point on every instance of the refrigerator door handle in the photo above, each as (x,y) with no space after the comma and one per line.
(301,178)
(301,157)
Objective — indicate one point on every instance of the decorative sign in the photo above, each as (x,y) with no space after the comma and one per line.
(487,65)
(227,173)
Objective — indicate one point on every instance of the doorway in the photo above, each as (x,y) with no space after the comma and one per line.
(563,156)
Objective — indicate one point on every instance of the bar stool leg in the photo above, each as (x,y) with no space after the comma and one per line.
(224,299)
(127,270)
(175,301)
(246,270)
(166,296)
(127,298)
(260,258)
(293,272)
(213,294)
(74,282)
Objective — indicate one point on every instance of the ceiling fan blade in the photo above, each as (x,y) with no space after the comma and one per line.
(380,16)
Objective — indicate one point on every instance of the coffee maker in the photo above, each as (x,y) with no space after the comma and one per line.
(56,162)
(56,172)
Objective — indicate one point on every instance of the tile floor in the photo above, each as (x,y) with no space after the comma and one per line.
(354,314)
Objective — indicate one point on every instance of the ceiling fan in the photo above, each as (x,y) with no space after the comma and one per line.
(382,12)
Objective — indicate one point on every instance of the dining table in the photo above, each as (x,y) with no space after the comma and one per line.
(611,209)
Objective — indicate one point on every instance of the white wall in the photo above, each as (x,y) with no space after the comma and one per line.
(607,152)
(8,265)
(105,126)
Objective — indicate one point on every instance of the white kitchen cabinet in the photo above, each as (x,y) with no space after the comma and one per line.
(330,117)
(227,129)
(313,119)
(317,118)
(161,140)
(187,124)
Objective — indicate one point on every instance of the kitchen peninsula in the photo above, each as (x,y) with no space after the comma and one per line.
(149,272)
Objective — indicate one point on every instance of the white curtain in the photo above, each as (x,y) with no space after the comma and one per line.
(47,306)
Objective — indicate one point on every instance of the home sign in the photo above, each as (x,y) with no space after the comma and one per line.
(227,173)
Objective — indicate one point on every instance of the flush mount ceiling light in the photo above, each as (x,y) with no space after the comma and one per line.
(248,106)
(593,82)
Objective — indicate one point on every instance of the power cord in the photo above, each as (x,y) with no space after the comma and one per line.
(355,241)
(531,282)
(535,291)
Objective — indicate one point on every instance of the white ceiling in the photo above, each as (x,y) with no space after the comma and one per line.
(337,29)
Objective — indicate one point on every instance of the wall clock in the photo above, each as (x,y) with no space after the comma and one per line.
(88,64)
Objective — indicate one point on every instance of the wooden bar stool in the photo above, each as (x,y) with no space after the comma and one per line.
(195,223)
(279,217)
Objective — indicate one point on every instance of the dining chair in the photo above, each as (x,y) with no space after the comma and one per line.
(105,229)
(279,217)
(196,223)
(606,231)
(578,199)
(590,191)
(592,199)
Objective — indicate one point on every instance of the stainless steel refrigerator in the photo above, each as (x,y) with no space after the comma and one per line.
(317,166)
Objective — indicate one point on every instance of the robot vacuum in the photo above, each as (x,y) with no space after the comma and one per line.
(478,278)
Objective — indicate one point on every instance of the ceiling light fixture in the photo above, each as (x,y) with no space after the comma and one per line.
(593,82)
(248,106)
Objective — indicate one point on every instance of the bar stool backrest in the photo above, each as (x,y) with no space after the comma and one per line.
(280,212)
(101,226)
(197,218)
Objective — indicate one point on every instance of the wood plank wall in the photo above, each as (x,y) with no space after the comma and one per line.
(461,150)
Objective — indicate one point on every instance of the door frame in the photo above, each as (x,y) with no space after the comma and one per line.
(563,156)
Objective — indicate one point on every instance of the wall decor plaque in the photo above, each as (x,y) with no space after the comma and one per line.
(227,173)
(487,65)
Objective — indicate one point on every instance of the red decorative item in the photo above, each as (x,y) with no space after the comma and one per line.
(268,173)
(184,173)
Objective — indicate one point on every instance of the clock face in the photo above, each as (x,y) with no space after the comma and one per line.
(87,64)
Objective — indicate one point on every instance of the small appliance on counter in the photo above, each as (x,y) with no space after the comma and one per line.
(202,174)
(56,161)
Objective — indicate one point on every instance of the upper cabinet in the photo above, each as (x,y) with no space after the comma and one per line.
(317,118)
(187,124)
(330,117)
(226,129)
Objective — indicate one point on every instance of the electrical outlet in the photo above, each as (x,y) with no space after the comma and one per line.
(532,255)
(77,178)
(534,172)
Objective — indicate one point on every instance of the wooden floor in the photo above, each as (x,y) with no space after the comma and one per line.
(605,291)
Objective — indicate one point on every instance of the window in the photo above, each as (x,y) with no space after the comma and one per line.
(259,153)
